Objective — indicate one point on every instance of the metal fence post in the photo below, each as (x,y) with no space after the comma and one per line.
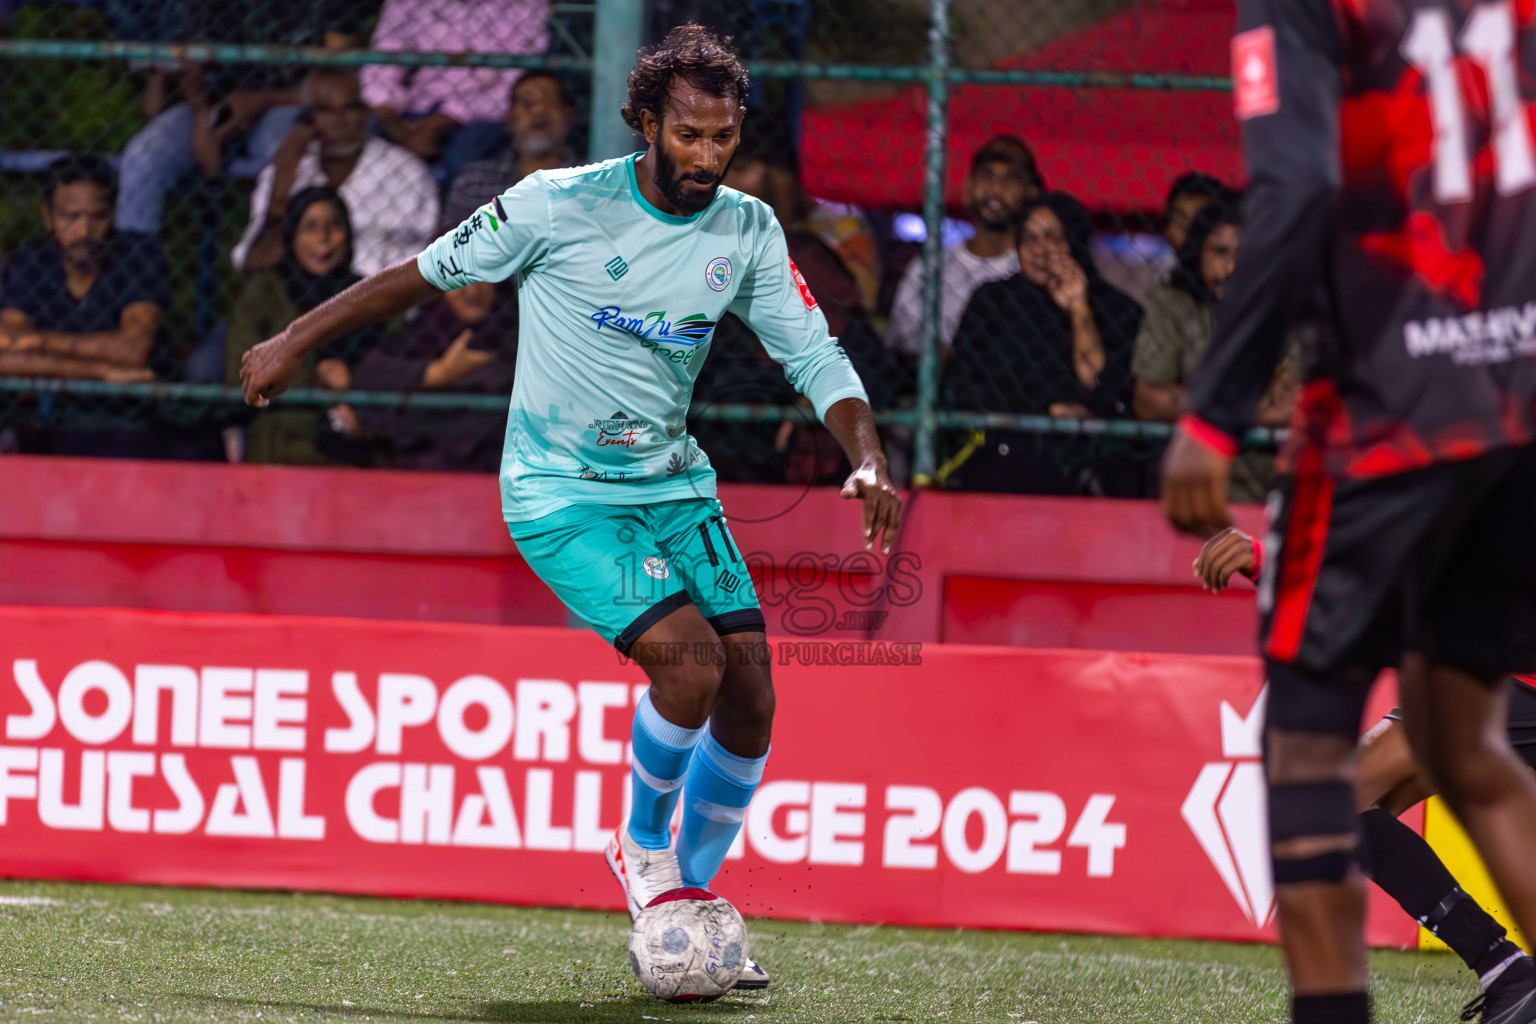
(933,244)
(615,38)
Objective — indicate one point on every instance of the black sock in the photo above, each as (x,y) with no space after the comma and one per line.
(1400,861)
(1353,1008)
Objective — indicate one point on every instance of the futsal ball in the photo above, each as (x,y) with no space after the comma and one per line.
(688,946)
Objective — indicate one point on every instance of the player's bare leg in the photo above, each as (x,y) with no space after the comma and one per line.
(1322,920)
(742,715)
(1456,723)
(1386,775)
(685,662)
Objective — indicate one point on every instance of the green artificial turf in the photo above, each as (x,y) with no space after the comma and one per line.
(124,953)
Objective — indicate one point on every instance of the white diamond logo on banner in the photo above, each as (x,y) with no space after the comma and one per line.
(1227,811)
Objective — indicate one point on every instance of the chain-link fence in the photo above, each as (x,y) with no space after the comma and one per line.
(1016,215)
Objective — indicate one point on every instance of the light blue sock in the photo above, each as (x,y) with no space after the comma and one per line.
(715,798)
(662,752)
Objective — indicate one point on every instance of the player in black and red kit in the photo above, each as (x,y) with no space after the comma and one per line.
(1392,211)
(1394,856)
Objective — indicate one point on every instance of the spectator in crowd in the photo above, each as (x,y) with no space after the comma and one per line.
(1054,339)
(254,103)
(1180,320)
(313,267)
(389,191)
(825,249)
(766,166)
(540,113)
(451,115)
(1003,178)
(1187,197)
(1137,264)
(88,302)
(465,341)
(1181,314)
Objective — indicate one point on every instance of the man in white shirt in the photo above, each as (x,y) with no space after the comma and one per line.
(390,194)
(1003,178)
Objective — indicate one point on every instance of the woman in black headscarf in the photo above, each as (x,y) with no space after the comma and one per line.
(1053,340)
(315,266)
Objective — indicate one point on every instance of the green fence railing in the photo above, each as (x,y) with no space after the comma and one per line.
(938,75)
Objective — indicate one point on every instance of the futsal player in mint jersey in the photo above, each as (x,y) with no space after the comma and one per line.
(624,267)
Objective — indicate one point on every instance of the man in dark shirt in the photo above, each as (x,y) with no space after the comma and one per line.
(1393,206)
(86,303)
(540,114)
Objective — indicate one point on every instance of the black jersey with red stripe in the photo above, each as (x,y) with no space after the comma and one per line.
(1392,208)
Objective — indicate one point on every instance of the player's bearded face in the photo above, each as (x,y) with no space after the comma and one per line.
(670,178)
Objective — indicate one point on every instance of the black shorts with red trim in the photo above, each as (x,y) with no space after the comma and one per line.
(1441,561)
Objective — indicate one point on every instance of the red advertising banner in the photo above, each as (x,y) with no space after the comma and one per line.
(925,785)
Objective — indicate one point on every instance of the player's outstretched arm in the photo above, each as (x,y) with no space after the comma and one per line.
(850,422)
(269,368)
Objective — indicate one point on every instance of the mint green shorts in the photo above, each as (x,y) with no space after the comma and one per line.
(623,568)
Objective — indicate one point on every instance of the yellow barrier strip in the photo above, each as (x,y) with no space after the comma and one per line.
(1455,849)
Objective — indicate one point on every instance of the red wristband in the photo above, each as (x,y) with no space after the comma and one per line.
(1258,560)
(1211,438)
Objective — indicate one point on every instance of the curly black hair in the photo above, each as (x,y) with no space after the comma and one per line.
(1198,183)
(76,167)
(692,53)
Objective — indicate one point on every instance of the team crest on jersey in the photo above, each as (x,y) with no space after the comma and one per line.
(656,567)
(718,274)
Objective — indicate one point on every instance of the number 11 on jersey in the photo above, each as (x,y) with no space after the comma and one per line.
(1488,40)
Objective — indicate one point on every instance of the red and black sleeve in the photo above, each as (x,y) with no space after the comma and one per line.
(1288,59)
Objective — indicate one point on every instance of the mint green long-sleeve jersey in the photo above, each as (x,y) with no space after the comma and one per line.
(618,302)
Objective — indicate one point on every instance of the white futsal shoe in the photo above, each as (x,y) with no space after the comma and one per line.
(645,874)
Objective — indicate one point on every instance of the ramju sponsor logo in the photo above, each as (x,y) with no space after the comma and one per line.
(694,329)
(654,331)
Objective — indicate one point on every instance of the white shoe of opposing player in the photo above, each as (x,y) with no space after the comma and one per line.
(645,874)
(752,977)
